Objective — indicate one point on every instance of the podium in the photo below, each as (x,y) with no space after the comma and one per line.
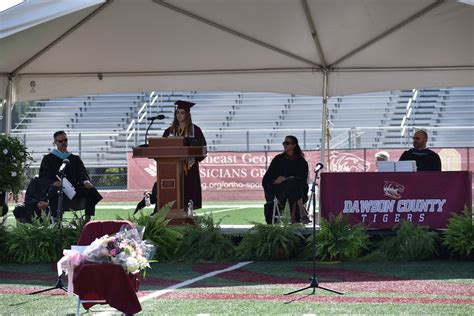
(170,154)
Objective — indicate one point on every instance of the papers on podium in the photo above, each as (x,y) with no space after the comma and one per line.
(396,166)
(405,166)
(68,189)
(385,166)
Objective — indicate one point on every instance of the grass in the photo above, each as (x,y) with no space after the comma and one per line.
(231,212)
(429,287)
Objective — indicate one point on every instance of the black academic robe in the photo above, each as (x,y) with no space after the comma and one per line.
(34,194)
(192,179)
(76,173)
(426,159)
(296,187)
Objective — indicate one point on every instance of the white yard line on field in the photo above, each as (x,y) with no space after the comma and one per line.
(191,281)
(220,211)
(172,288)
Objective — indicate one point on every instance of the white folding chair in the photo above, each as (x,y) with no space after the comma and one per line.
(276,211)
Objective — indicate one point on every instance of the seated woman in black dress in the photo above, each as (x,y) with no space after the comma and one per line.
(287,179)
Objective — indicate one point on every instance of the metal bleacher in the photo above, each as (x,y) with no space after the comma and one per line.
(104,128)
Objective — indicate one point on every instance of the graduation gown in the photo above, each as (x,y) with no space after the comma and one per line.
(426,159)
(34,194)
(76,173)
(192,179)
(292,189)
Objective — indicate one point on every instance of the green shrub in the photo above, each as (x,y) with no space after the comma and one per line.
(166,238)
(412,242)
(459,235)
(205,242)
(40,241)
(337,240)
(271,242)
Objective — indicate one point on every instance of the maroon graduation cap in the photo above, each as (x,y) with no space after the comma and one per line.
(184,105)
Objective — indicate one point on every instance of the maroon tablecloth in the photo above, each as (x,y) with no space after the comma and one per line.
(107,282)
(97,229)
(380,200)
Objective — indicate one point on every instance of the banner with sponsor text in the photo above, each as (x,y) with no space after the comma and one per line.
(228,176)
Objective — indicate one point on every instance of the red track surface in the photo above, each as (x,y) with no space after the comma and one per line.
(349,281)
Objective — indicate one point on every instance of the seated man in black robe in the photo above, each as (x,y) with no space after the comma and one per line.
(152,200)
(35,203)
(75,173)
(426,159)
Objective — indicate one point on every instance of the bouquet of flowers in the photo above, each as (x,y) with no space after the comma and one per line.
(125,248)
(14,160)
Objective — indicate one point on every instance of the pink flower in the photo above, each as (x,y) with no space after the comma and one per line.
(113,252)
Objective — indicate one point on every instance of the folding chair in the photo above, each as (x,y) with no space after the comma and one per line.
(104,283)
(276,211)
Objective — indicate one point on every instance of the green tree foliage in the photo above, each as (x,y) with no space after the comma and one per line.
(14,160)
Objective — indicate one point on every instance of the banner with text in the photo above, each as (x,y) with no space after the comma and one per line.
(238,175)
(380,200)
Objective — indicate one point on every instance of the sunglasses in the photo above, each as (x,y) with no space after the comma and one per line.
(286,143)
(62,140)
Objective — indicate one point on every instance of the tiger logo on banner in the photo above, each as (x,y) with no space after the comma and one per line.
(346,162)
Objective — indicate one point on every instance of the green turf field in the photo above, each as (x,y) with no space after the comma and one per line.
(430,287)
(231,212)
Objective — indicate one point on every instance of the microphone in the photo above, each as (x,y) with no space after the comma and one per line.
(318,167)
(158,117)
(64,164)
(152,119)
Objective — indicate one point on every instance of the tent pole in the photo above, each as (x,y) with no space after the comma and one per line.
(7,119)
(324,119)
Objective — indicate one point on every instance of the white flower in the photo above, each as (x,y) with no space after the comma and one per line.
(132,265)
(5,151)
(13,173)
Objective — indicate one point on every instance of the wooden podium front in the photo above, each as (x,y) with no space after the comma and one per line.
(170,154)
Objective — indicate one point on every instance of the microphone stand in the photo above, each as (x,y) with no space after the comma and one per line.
(146,133)
(57,218)
(314,284)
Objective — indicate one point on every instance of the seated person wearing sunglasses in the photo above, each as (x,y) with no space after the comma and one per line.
(426,159)
(74,171)
(287,179)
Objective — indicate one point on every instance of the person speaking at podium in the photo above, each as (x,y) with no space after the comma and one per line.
(183,126)
(60,159)
(426,159)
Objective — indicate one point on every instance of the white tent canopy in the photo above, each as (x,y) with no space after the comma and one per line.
(266,45)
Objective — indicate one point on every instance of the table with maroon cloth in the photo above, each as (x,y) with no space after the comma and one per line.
(380,200)
(109,282)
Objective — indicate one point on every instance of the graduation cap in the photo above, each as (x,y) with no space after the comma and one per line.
(184,105)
